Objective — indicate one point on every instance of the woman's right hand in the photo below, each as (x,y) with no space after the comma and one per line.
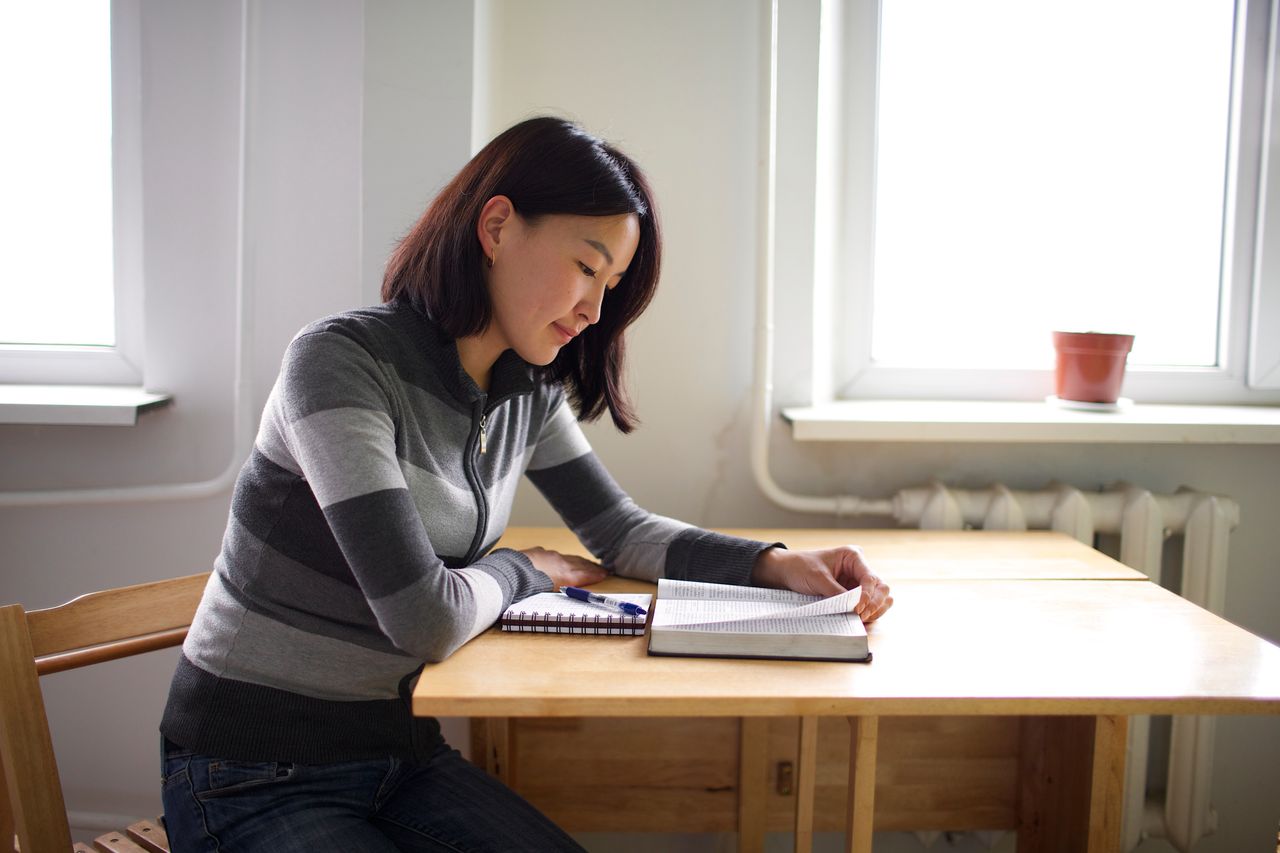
(565,569)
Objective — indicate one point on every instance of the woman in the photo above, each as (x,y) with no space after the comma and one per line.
(358,544)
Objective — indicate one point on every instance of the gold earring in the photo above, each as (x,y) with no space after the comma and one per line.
(492,259)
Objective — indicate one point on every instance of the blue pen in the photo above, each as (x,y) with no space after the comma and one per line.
(596,598)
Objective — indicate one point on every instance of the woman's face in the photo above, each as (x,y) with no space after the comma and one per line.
(550,276)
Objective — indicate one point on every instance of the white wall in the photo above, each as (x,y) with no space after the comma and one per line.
(356,116)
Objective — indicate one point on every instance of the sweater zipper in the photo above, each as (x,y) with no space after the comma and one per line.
(478,441)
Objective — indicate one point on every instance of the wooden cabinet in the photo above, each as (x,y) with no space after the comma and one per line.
(682,774)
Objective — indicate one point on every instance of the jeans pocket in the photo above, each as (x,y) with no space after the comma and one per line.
(223,777)
(172,768)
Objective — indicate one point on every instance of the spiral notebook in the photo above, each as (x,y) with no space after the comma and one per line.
(555,613)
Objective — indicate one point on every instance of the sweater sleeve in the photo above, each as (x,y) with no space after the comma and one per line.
(332,420)
(625,538)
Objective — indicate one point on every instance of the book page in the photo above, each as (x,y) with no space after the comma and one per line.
(729,596)
(674,589)
(680,611)
(842,603)
(697,614)
(842,625)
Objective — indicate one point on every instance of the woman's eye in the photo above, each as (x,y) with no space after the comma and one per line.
(586,270)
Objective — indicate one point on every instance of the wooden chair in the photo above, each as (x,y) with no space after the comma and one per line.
(91,629)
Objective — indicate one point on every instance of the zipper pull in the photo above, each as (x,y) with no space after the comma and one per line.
(484,441)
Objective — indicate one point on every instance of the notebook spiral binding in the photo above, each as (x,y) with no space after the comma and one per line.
(619,624)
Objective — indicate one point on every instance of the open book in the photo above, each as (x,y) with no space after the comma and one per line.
(722,620)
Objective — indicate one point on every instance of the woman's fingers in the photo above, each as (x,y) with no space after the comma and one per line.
(590,574)
(875,599)
(565,569)
(885,604)
(822,583)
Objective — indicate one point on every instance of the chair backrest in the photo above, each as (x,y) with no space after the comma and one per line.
(93,628)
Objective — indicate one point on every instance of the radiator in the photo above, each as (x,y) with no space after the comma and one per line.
(1144,522)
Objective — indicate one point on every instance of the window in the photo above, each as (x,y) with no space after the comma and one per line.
(1010,169)
(69,274)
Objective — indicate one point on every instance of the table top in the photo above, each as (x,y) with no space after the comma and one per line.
(972,645)
(907,554)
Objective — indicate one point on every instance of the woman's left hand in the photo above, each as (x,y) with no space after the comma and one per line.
(827,572)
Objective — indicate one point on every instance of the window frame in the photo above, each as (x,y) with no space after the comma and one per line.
(120,364)
(1264,346)
(1248,368)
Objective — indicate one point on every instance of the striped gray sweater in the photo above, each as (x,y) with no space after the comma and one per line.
(360,537)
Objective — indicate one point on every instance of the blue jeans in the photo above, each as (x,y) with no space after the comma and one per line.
(445,804)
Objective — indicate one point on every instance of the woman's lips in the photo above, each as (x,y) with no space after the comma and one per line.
(564,333)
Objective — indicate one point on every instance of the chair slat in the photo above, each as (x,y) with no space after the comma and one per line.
(110,651)
(101,618)
(149,835)
(116,842)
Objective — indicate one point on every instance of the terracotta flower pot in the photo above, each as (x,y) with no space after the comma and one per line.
(1090,365)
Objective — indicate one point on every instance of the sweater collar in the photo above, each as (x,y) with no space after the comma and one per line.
(510,377)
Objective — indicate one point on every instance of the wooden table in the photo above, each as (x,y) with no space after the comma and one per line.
(987,627)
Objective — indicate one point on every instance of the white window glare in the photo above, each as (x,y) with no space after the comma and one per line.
(1049,166)
(56,259)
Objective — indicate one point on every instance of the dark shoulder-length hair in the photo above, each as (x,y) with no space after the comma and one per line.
(545,166)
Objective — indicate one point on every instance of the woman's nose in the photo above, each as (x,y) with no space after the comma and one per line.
(589,307)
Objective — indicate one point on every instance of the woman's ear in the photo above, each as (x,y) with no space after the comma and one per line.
(495,217)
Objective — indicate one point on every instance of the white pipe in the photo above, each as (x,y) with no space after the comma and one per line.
(1134,805)
(1141,531)
(932,507)
(1141,543)
(1003,511)
(1188,813)
(1073,513)
(1204,553)
(1058,507)
(1154,821)
(242,424)
(840,505)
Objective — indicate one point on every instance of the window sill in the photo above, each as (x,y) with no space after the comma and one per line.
(81,405)
(987,421)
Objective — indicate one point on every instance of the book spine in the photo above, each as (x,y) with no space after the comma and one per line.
(555,623)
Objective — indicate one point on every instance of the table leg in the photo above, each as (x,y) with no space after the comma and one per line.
(500,759)
(753,772)
(863,738)
(1106,788)
(806,783)
(1070,786)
